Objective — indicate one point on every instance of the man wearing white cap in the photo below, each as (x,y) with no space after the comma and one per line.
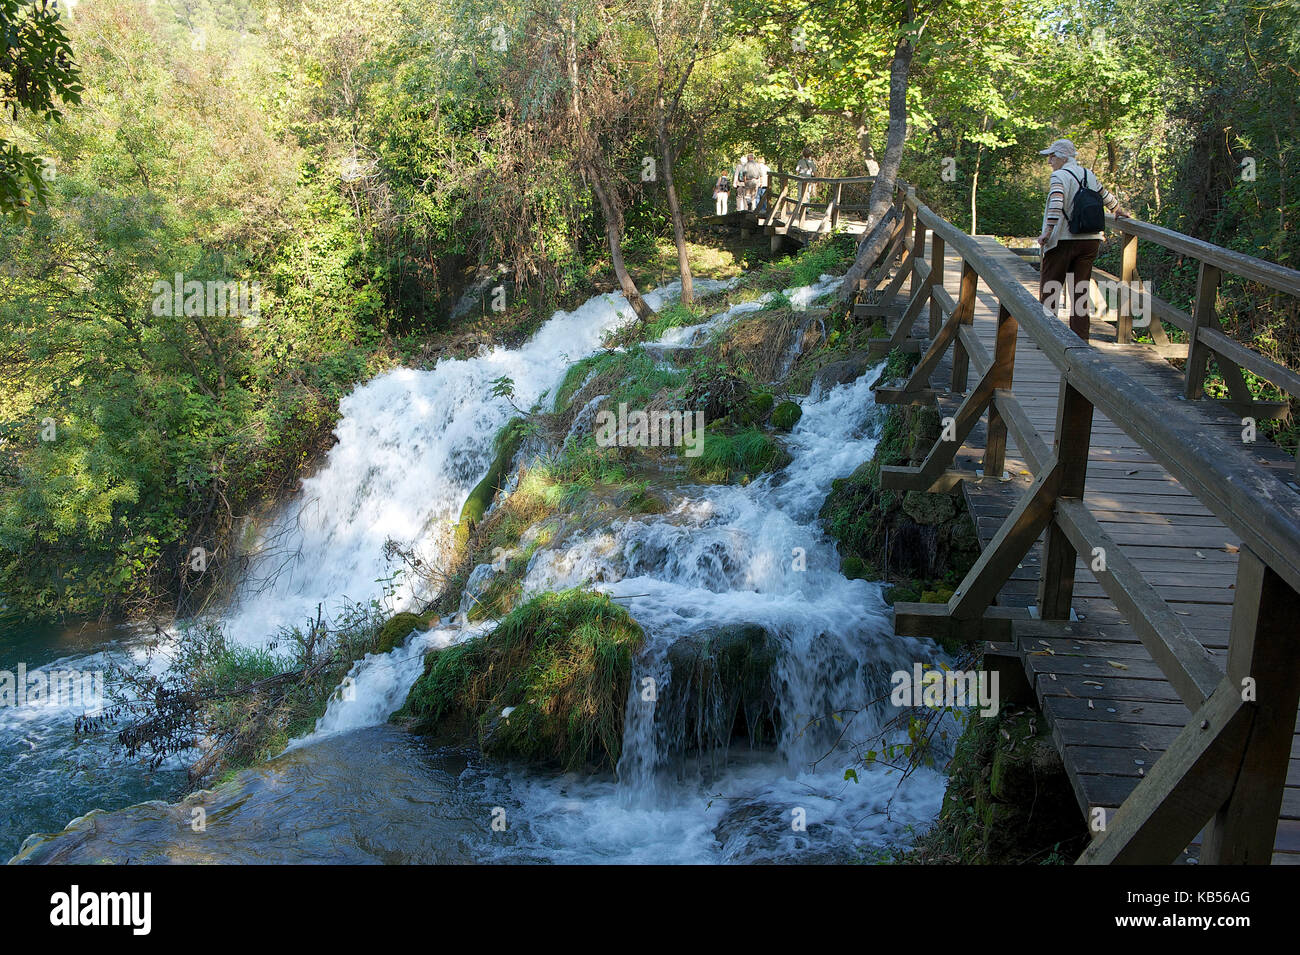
(1073,227)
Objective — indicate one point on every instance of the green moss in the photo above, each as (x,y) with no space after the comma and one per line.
(632,376)
(395,629)
(560,663)
(1008,799)
(480,498)
(786,415)
(757,409)
(855,568)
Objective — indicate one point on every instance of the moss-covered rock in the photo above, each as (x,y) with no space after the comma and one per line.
(786,415)
(395,630)
(1008,799)
(916,534)
(855,568)
(548,685)
(755,410)
(481,497)
(926,508)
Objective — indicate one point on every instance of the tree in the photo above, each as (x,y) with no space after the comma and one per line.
(37,72)
(681,31)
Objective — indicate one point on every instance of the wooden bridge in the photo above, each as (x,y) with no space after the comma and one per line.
(808,206)
(1139,578)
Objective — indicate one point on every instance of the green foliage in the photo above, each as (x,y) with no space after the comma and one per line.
(746,455)
(37,72)
(561,663)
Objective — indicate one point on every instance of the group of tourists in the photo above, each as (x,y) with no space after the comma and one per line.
(749,178)
(1073,220)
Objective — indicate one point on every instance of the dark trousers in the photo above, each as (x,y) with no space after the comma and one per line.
(1067,270)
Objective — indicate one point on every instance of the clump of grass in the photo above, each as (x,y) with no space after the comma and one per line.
(673,315)
(632,376)
(561,663)
(747,454)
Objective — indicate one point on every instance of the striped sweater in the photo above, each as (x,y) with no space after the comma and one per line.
(1060,197)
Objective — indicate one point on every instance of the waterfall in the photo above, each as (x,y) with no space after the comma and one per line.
(411,445)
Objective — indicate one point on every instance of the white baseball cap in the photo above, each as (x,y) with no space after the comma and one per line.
(1062,147)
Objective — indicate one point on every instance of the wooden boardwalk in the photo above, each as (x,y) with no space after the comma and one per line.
(1111,724)
(1139,669)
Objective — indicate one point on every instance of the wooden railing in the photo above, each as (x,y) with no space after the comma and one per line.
(1228,766)
(798,195)
(1205,335)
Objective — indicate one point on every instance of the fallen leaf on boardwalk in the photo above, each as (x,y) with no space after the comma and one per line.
(1231,549)
(1117,666)
(1202,556)
(1052,675)
(1091,683)
(1134,471)
(1090,706)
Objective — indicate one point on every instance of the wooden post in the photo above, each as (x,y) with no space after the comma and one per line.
(835,206)
(1004,364)
(1127,275)
(1198,353)
(1261,665)
(936,279)
(918,255)
(966,310)
(1072,442)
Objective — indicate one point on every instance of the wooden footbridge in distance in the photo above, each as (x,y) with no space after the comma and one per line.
(1139,578)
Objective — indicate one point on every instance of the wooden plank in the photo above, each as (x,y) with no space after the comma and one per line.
(1179,654)
(1184,788)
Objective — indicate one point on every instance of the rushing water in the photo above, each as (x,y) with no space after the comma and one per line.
(411,445)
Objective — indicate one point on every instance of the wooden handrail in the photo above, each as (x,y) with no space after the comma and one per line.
(847,180)
(1262,510)
(1248,266)
(1226,770)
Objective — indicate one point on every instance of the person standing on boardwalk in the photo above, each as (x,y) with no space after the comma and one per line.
(1074,224)
(721,193)
(753,173)
(764,170)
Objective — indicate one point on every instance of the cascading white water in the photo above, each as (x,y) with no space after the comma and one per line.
(727,555)
(411,446)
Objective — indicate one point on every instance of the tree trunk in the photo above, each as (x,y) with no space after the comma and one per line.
(882,192)
(614,233)
(674,206)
